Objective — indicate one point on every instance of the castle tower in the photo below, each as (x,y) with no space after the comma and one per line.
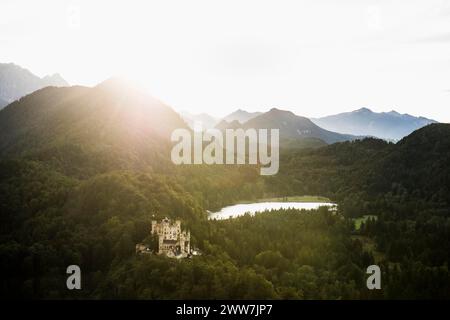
(172,241)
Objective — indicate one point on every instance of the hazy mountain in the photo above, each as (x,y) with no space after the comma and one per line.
(15,82)
(291,127)
(386,125)
(3,103)
(205,119)
(223,124)
(77,124)
(241,116)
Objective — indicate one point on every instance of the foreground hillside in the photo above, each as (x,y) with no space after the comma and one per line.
(83,171)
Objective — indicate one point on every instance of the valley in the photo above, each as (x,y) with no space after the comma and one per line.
(224,152)
(84,171)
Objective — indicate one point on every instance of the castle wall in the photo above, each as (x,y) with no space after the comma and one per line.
(171,240)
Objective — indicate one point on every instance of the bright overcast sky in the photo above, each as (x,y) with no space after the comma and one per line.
(312,57)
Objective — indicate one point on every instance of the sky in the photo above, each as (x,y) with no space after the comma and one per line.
(314,57)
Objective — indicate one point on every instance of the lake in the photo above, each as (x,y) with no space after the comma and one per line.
(240,209)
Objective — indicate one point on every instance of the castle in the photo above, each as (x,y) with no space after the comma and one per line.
(172,242)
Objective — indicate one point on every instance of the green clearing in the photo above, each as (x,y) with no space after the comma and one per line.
(364,218)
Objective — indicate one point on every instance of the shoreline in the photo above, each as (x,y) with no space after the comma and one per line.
(315,199)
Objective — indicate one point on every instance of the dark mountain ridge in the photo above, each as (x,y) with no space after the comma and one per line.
(291,126)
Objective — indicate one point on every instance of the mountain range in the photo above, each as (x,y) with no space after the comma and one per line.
(291,126)
(385,125)
(16,82)
(241,116)
(390,126)
(206,121)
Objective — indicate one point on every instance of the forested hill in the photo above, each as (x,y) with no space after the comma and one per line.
(373,172)
(420,164)
(112,125)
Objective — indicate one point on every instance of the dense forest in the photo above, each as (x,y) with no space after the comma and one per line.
(84,171)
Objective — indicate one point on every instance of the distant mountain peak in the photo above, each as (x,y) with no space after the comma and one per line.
(55,80)
(241,116)
(291,127)
(275,110)
(207,121)
(280,111)
(54,77)
(364,109)
(114,82)
(16,82)
(123,87)
(386,125)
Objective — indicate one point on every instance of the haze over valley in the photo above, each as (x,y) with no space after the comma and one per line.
(204,150)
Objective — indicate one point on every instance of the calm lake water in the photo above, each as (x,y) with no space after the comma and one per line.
(240,209)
